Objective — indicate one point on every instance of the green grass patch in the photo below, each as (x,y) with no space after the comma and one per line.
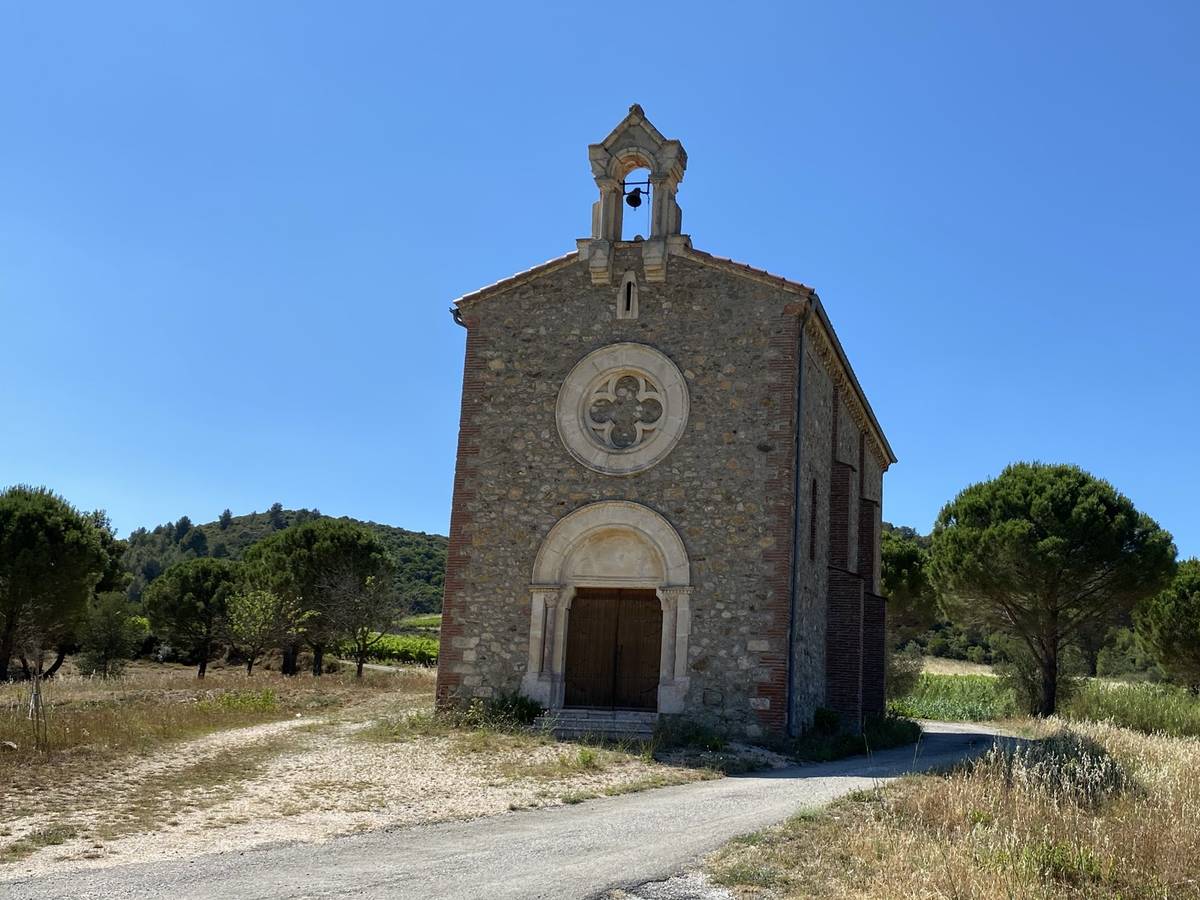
(967,698)
(1148,708)
(50,836)
(430,621)
(265,701)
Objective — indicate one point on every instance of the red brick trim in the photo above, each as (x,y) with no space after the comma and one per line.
(867,541)
(839,515)
(449,680)
(844,646)
(783,371)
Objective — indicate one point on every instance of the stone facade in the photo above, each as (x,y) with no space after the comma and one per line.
(754,589)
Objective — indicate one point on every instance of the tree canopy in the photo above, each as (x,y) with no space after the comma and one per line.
(1168,624)
(420,558)
(186,605)
(1042,552)
(321,565)
(51,559)
(904,579)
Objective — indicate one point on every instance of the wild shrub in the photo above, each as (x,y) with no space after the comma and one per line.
(677,732)
(1066,765)
(506,711)
(1021,674)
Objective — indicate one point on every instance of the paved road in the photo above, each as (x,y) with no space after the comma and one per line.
(565,852)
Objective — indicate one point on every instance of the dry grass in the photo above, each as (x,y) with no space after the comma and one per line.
(1094,811)
(155,765)
(937,665)
(93,719)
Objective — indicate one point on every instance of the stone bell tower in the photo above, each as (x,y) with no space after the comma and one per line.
(635,144)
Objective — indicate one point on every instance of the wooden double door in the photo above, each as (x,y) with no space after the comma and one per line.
(614,640)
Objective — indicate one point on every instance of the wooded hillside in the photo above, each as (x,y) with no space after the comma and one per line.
(420,557)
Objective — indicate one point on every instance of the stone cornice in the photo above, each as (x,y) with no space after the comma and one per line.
(829,351)
(746,271)
(513,281)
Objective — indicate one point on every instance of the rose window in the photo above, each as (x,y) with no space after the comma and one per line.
(624,410)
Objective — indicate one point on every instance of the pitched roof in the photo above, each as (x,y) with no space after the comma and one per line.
(519,278)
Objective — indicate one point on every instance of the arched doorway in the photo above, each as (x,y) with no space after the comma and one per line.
(606,565)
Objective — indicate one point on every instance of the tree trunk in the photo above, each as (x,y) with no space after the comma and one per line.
(318,658)
(1049,684)
(7,641)
(26,672)
(59,656)
(290,664)
(359,669)
(203,661)
(249,666)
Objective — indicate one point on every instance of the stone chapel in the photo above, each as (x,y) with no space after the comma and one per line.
(668,485)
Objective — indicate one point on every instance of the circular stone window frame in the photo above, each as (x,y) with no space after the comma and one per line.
(588,374)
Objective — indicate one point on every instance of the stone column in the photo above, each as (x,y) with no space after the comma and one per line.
(536,684)
(610,208)
(683,629)
(666,668)
(677,626)
(549,631)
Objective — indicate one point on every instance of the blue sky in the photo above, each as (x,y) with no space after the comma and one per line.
(229,233)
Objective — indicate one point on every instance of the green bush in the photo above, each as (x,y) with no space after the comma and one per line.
(1148,708)
(956,697)
(506,711)
(679,732)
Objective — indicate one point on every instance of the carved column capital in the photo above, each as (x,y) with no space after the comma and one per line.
(548,595)
(669,597)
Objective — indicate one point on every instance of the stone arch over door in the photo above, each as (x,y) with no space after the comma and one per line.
(612,543)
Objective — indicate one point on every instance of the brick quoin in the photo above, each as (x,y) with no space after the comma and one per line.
(449,680)
(784,369)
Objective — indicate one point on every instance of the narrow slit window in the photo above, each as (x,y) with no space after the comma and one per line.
(812,522)
(627,297)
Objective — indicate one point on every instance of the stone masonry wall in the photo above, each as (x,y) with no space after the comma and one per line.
(725,487)
(812,574)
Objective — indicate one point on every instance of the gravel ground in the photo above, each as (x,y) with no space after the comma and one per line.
(634,843)
(304,780)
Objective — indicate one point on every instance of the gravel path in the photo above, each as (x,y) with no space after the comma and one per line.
(636,842)
(299,780)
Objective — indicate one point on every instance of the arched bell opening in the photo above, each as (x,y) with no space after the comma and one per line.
(637,204)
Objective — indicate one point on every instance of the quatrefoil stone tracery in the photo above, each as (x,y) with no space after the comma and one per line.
(624,410)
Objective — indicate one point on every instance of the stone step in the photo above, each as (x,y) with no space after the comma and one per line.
(635,725)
